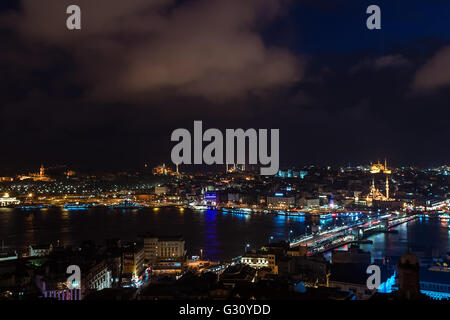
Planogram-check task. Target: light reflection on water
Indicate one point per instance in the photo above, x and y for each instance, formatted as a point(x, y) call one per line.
point(219, 235)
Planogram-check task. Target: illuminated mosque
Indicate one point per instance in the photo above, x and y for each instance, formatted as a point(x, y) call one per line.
point(162, 170)
point(374, 193)
point(235, 168)
point(41, 176)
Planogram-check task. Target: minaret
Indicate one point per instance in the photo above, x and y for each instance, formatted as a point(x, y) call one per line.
point(227, 167)
point(372, 188)
point(387, 178)
point(42, 170)
point(177, 168)
point(387, 187)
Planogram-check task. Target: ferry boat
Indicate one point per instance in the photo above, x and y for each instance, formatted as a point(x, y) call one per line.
point(33, 207)
point(445, 216)
point(237, 210)
point(198, 207)
point(8, 202)
point(126, 204)
point(290, 213)
point(326, 216)
point(76, 206)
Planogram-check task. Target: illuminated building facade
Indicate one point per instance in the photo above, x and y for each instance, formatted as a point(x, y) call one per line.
point(235, 168)
point(98, 278)
point(162, 170)
point(374, 193)
point(280, 200)
point(291, 174)
point(260, 260)
point(165, 255)
point(41, 176)
point(161, 248)
point(133, 264)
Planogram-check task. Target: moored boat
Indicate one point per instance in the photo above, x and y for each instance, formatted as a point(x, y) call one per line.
point(76, 206)
point(126, 205)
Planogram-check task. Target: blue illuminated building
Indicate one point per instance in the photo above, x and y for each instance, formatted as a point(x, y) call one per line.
point(291, 174)
point(210, 196)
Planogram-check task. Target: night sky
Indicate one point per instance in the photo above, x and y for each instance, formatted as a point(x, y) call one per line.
point(108, 97)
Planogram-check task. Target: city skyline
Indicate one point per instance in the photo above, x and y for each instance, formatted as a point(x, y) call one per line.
point(300, 231)
point(210, 158)
point(36, 171)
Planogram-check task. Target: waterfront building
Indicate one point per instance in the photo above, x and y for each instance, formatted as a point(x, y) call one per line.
point(280, 200)
point(309, 203)
point(210, 199)
point(434, 204)
point(144, 197)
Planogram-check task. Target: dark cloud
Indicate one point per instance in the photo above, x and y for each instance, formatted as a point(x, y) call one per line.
point(435, 73)
point(207, 48)
point(378, 63)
